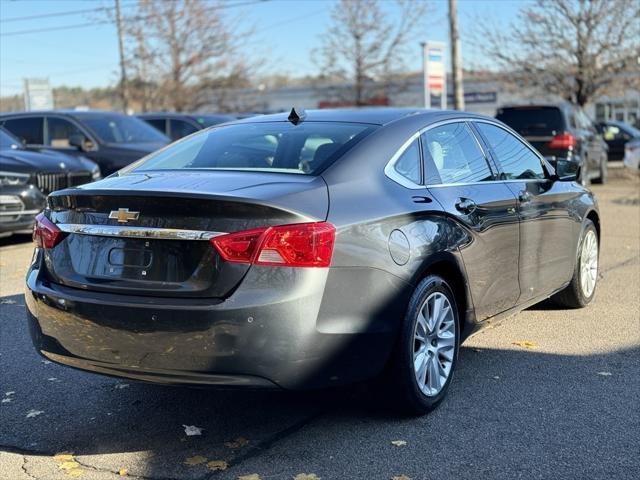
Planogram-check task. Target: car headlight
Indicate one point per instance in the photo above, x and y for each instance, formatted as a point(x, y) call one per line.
point(12, 178)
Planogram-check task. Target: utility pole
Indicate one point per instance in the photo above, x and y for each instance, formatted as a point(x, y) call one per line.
point(456, 62)
point(124, 94)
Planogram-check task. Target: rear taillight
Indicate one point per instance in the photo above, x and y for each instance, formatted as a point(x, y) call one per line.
point(297, 245)
point(563, 140)
point(45, 233)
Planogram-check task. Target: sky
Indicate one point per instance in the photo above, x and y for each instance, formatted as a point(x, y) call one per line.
point(286, 31)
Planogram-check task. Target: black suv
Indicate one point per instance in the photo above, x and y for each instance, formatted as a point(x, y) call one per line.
point(110, 139)
point(561, 131)
point(178, 125)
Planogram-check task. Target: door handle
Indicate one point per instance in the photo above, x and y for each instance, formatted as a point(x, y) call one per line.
point(466, 205)
point(524, 196)
point(420, 199)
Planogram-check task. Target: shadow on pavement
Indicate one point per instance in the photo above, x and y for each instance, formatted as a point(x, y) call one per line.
point(506, 409)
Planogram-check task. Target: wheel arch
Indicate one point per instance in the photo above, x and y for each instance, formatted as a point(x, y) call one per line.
point(451, 268)
point(595, 218)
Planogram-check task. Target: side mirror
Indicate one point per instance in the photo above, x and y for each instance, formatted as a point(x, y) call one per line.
point(80, 142)
point(566, 170)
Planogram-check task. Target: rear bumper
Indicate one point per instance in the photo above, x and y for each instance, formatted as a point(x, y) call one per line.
point(280, 328)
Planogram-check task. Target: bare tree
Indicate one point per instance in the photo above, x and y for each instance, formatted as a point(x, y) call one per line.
point(180, 51)
point(363, 46)
point(572, 48)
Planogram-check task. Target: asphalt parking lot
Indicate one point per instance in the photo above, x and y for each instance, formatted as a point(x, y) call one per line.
point(548, 393)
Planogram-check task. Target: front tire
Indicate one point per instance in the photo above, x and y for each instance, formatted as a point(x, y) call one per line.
point(427, 350)
point(582, 288)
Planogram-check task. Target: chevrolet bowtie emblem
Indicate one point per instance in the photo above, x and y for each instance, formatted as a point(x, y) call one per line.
point(123, 215)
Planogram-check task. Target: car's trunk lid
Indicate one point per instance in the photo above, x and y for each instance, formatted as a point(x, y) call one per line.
point(148, 234)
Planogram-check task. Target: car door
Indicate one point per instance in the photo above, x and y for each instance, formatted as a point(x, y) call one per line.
point(593, 143)
point(548, 233)
point(461, 178)
point(58, 131)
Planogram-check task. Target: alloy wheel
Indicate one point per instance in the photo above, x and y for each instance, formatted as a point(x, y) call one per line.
point(589, 263)
point(434, 344)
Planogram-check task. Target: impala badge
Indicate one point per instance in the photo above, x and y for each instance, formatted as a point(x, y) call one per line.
point(123, 215)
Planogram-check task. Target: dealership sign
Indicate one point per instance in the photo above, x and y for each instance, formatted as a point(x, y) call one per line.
point(435, 80)
point(37, 94)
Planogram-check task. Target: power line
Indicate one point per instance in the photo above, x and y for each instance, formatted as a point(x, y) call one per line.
point(59, 14)
point(103, 22)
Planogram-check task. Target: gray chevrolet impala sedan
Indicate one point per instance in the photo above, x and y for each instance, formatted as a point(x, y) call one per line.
point(309, 250)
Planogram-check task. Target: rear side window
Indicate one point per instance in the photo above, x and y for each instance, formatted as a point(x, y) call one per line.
point(455, 154)
point(533, 120)
point(408, 164)
point(517, 160)
point(29, 130)
point(306, 148)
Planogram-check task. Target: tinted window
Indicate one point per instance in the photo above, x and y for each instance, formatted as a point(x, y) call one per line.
point(59, 130)
point(157, 123)
point(517, 160)
point(276, 146)
point(408, 165)
point(533, 120)
point(29, 130)
point(111, 128)
point(180, 128)
point(455, 154)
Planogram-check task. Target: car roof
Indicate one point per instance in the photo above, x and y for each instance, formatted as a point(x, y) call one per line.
point(182, 114)
point(63, 112)
point(371, 115)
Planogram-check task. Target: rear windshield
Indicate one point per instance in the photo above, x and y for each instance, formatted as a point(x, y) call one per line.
point(306, 148)
point(533, 120)
point(122, 129)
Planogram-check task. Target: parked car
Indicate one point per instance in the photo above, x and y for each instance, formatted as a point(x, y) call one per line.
point(26, 177)
point(632, 154)
point(111, 139)
point(178, 125)
point(561, 131)
point(616, 135)
point(310, 250)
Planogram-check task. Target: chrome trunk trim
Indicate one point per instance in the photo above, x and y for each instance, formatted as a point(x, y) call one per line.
point(137, 232)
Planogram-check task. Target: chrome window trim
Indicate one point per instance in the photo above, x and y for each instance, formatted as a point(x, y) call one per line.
point(138, 232)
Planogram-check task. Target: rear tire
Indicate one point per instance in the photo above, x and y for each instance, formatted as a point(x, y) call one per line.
point(582, 287)
point(427, 351)
point(602, 179)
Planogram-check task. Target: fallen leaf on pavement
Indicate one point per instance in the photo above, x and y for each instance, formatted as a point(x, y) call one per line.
point(306, 476)
point(34, 413)
point(400, 477)
point(120, 386)
point(123, 472)
point(237, 443)
point(63, 457)
point(399, 443)
point(195, 460)
point(76, 472)
point(7, 302)
point(605, 374)
point(251, 476)
point(526, 344)
point(7, 400)
point(217, 465)
point(191, 430)
point(7, 394)
point(69, 465)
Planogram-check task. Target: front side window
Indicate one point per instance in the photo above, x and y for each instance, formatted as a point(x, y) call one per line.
point(59, 130)
point(306, 148)
point(517, 160)
point(180, 128)
point(28, 130)
point(454, 152)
